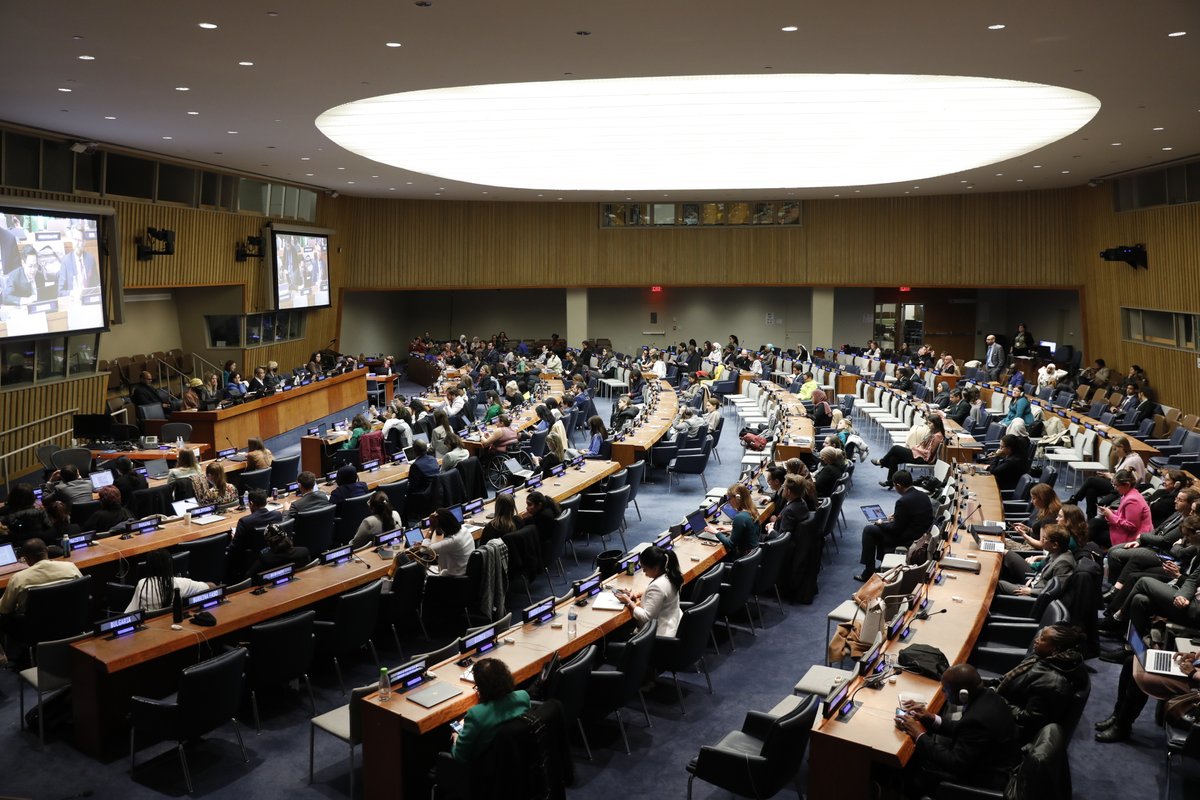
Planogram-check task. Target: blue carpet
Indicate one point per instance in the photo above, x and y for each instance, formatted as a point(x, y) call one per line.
point(756, 676)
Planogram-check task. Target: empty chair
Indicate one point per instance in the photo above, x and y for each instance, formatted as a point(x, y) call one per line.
point(208, 697)
point(284, 471)
point(350, 514)
point(78, 457)
point(206, 557)
point(51, 677)
point(556, 544)
point(690, 462)
point(154, 500)
point(775, 553)
point(401, 607)
point(353, 622)
point(256, 479)
point(344, 723)
point(685, 650)
point(82, 512)
point(637, 472)
point(279, 651)
point(736, 586)
point(45, 455)
point(570, 689)
point(173, 431)
point(314, 529)
point(763, 756)
point(607, 519)
point(707, 585)
point(609, 690)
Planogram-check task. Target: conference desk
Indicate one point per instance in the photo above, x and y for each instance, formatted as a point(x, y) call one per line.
point(636, 442)
point(385, 382)
point(278, 413)
point(106, 673)
point(394, 756)
point(843, 754)
point(169, 452)
point(796, 438)
point(959, 445)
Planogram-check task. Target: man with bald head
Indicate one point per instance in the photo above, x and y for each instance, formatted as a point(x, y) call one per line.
point(993, 358)
point(982, 742)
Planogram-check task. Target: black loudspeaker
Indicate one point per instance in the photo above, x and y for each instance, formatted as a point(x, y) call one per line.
point(1133, 255)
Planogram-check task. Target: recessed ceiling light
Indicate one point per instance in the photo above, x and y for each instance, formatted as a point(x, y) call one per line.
point(208, 26)
point(374, 176)
point(308, 174)
point(231, 131)
point(182, 89)
point(999, 174)
point(1168, 148)
point(837, 195)
point(962, 181)
point(64, 89)
point(245, 63)
point(485, 192)
point(391, 188)
point(1020, 180)
point(437, 194)
point(1066, 172)
point(1037, 166)
point(193, 113)
point(996, 27)
point(948, 124)
point(906, 192)
point(1156, 129)
point(341, 167)
point(789, 29)
point(1177, 34)
point(87, 58)
point(1116, 144)
point(168, 137)
point(392, 44)
point(110, 117)
point(305, 158)
point(350, 182)
point(408, 183)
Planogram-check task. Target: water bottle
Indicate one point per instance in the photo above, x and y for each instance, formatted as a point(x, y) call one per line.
point(385, 686)
point(65, 544)
point(176, 608)
point(178, 445)
point(245, 499)
point(572, 624)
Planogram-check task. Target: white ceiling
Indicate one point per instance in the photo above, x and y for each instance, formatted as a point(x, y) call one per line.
point(311, 55)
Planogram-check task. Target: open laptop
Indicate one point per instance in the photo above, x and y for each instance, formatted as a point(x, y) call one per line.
point(1156, 662)
point(988, 546)
point(156, 469)
point(695, 524)
point(7, 555)
point(874, 513)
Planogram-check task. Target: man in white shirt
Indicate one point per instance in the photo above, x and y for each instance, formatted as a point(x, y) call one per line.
point(553, 362)
point(659, 367)
point(41, 570)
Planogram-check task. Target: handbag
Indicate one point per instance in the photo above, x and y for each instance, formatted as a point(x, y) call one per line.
point(547, 680)
point(873, 588)
point(1183, 710)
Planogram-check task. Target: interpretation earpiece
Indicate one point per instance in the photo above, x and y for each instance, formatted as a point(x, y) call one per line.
point(963, 697)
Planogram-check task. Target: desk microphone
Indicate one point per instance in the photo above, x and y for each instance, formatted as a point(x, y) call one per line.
point(368, 566)
point(927, 614)
point(230, 443)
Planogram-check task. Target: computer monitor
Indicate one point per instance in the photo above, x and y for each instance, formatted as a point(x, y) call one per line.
point(457, 511)
point(93, 427)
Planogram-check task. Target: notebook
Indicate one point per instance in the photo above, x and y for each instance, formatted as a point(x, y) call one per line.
point(438, 692)
point(1156, 662)
point(607, 601)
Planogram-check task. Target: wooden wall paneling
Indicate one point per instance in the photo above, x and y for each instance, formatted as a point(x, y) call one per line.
point(21, 406)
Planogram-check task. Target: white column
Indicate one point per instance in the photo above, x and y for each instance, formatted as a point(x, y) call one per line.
point(577, 316)
point(822, 318)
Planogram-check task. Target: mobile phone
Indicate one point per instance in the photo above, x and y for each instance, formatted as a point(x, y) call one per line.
point(456, 726)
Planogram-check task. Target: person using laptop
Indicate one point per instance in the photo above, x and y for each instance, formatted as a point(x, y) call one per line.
point(1058, 563)
point(1135, 686)
point(310, 497)
point(911, 519)
point(449, 542)
point(41, 570)
point(111, 512)
point(66, 484)
point(126, 480)
point(158, 588)
point(499, 702)
point(214, 486)
point(248, 535)
point(742, 533)
point(23, 517)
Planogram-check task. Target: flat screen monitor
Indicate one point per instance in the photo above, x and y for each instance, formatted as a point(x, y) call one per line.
point(54, 264)
point(93, 427)
point(301, 269)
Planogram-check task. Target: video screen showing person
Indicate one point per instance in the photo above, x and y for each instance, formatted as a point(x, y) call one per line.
point(301, 270)
point(51, 274)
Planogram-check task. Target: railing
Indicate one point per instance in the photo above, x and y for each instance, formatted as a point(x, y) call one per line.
point(166, 372)
point(199, 373)
point(7, 454)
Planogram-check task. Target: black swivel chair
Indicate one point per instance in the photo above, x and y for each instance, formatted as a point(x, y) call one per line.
point(54, 611)
point(606, 520)
point(81, 512)
point(206, 557)
point(637, 473)
point(570, 689)
point(284, 471)
point(761, 758)
point(353, 623)
point(350, 514)
point(685, 650)
point(173, 431)
point(690, 462)
point(208, 697)
point(314, 529)
point(609, 690)
point(775, 553)
point(256, 479)
point(397, 495)
point(402, 605)
point(78, 457)
point(736, 588)
point(1043, 774)
point(554, 548)
point(280, 650)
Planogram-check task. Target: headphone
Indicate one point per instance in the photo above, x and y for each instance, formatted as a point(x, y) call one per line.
point(963, 697)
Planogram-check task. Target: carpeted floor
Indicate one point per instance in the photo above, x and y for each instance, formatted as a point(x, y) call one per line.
point(756, 676)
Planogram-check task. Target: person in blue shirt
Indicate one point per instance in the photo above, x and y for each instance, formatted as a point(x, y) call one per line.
point(234, 388)
point(743, 534)
point(1020, 408)
point(598, 433)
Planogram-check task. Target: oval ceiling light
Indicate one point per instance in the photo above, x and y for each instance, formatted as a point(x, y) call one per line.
point(807, 130)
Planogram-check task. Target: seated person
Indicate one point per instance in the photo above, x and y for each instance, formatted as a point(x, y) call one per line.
point(498, 703)
point(235, 388)
point(624, 413)
point(1010, 463)
point(958, 407)
point(978, 745)
point(503, 521)
point(110, 514)
point(493, 406)
point(449, 542)
point(381, 520)
point(158, 588)
point(257, 454)
point(1135, 686)
point(1044, 508)
point(456, 452)
point(596, 436)
point(126, 480)
point(186, 466)
point(279, 550)
point(67, 485)
point(1100, 486)
point(41, 570)
point(1129, 520)
point(25, 519)
point(248, 537)
point(910, 520)
point(309, 497)
point(1057, 563)
point(214, 487)
point(833, 466)
point(541, 511)
point(924, 451)
point(146, 394)
point(348, 485)
point(190, 400)
point(358, 426)
point(422, 472)
point(1039, 690)
point(807, 387)
point(258, 383)
point(660, 601)
point(210, 392)
point(742, 534)
point(503, 437)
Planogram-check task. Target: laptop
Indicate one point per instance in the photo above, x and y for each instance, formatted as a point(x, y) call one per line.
point(101, 479)
point(989, 546)
point(695, 524)
point(204, 515)
point(1156, 662)
point(157, 468)
point(436, 693)
point(181, 506)
point(7, 555)
point(874, 513)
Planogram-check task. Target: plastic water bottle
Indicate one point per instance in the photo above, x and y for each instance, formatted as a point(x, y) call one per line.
point(245, 499)
point(385, 686)
point(65, 544)
point(572, 624)
point(178, 444)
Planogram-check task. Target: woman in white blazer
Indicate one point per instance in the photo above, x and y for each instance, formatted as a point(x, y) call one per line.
point(660, 601)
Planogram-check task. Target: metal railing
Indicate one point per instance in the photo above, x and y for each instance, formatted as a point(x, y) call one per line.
point(8, 454)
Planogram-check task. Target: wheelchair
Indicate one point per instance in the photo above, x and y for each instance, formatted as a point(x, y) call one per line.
point(508, 468)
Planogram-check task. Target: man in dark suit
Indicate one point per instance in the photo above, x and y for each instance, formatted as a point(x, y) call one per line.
point(958, 408)
point(127, 481)
point(424, 468)
point(10, 254)
point(909, 521)
point(78, 271)
point(310, 497)
point(980, 744)
point(993, 358)
point(248, 540)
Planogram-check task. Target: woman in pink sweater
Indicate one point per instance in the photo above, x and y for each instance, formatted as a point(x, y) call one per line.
point(1132, 517)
